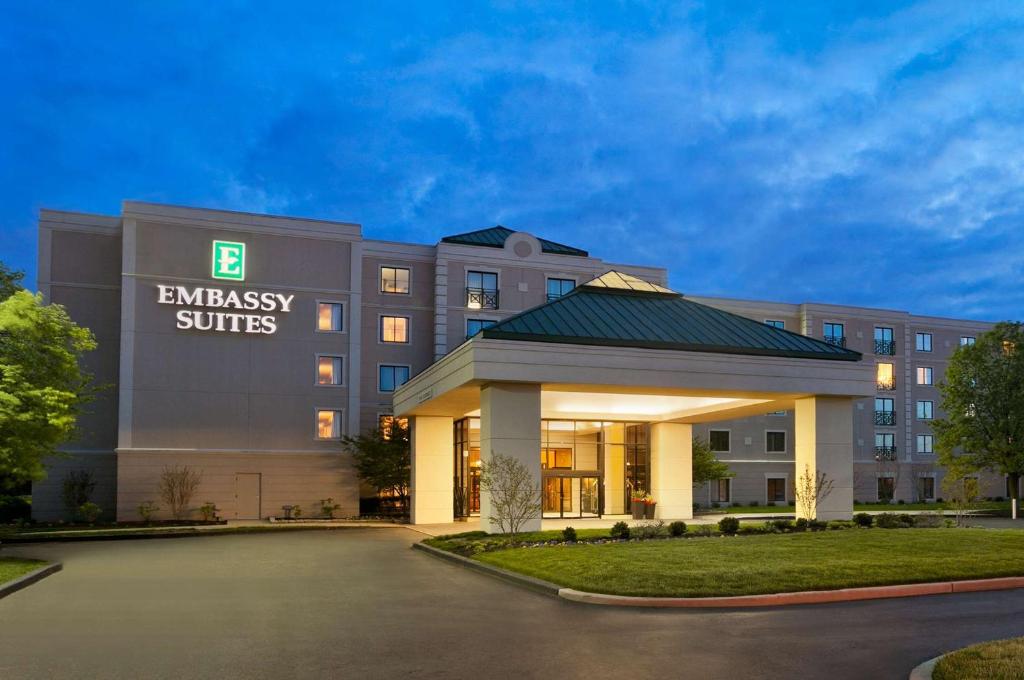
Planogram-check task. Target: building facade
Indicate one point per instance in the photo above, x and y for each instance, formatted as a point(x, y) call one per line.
point(245, 346)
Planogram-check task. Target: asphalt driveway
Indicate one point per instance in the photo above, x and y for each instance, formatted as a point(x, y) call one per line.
point(358, 603)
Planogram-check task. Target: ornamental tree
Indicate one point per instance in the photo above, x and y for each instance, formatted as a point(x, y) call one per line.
point(983, 403)
point(10, 281)
point(383, 460)
point(706, 467)
point(43, 387)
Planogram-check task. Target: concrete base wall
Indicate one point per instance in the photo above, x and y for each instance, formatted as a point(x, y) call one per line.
point(286, 479)
point(47, 504)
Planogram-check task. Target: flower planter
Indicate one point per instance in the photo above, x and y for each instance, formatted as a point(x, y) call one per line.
point(649, 510)
point(638, 509)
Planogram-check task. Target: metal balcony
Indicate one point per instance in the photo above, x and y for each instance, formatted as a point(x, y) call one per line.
point(887, 385)
point(885, 347)
point(885, 418)
point(885, 453)
point(837, 340)
point(481, 298)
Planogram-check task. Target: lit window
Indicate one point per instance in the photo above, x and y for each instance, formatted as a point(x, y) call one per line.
point(389, 378)
point(721, 490)
point(328, 370)
point(775, 323)
point(776, 490)
point(328, 423)
point(329, 316)
point(474, 326)
point(394, 329)
point(924, 410)
point(719, 440)
point(481, 290)
point(775, 442)
point(559, 287)
point(386, 424)
point(966, 340)
point(924, 443)
point(885, 375)
point(924, 342)
point(394, 280)
point(924, 375)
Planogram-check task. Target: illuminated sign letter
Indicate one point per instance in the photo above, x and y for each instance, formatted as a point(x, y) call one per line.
point(229, 260)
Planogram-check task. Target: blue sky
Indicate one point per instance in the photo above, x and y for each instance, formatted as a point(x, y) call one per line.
point(869, 155)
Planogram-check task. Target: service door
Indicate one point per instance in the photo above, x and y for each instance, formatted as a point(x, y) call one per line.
point(247, 495)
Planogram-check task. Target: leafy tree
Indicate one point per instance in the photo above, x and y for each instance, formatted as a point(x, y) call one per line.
point(42, 385)
point(383, 460)
point(515, 494)
point(706, 467)
point(10, 281)
point(983, 404)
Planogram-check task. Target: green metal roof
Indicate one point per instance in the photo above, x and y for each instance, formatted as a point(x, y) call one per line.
point(494, 237)
point(614, 310)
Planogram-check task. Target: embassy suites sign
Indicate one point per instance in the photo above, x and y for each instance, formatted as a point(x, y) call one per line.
point(230, 310)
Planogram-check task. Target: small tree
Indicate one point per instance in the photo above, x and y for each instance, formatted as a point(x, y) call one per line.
point(706, 467)
point(76, 489)
point(384, 461)
point(983, 403)
point(515, 494)
point(178, 484)
point(962, 495)
point(810, 491)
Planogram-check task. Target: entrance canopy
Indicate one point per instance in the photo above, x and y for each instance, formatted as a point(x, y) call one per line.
point(619, 348)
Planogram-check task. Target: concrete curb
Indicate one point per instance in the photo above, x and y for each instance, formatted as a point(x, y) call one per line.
point(534, 584)
point(767, 600)
point(924, 671)
point(29, 578)
point(186, 532)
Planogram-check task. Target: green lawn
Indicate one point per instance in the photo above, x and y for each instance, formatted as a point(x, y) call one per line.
point(772, 563)
point(13, 567)
point(999, 660)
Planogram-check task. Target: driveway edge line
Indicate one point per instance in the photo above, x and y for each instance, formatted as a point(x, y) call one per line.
point(734, 601)
point(534, 584)
point(924, 671)
point(29, 578)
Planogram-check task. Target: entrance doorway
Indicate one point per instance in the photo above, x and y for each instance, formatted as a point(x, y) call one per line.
point(571, 496)
point(247, 495)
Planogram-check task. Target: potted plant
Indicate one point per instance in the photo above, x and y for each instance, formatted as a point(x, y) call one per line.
point(637, 497)
point(649, 504)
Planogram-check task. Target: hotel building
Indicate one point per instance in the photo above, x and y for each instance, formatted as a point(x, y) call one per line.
point(245, 346)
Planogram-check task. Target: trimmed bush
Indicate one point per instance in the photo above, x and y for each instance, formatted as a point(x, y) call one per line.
point(800, 524)
point(900, 502)
point(569, 535)
point(817, 525)
point(929, 520)
point(782, 526)
point(863, 519)
point(677, 528)
point(14, 509)
point(620, 530)
point(729, 525)
point(840, 524)
point(890, 520)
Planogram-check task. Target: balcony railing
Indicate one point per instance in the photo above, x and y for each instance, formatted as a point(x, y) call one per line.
point(885, 417)
point(837, 340)
point(887, 385)
point(481, 298)
point(885, 453)
point(554, 296)
point(886, 347)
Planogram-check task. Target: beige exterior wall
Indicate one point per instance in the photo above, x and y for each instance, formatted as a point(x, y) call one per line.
point(432, 486)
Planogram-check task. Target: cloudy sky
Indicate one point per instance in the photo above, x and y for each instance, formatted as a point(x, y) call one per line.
point(774, 150)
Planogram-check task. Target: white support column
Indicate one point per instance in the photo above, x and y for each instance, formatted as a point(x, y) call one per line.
point(824, 444)
point(433, 470)
point(672, 470)
point(510, 426)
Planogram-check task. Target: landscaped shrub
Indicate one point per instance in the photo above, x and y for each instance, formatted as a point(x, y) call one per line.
point(90, 512)
point(715, 504)
point(939, 500)
point(906, 520)
point(178, 483)
point(753, 504)
point(749, 529)
point(840, 524)
point(147, 510)
point(929, 520)
point(737, 504)
point(781, 525)
point(770, 504)
point(817, 525)
point(208, 511)
point(900, 502)
point(863, 519)
point(677, 528)
point(14, 509)
point(328, 507)
point(800, 524)
point(728, 525)
point(647, 530)
point(620, 530)
point(569, 535)
point(76, 489)
point(889, 520)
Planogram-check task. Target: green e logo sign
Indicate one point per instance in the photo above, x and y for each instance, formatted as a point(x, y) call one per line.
point(229, 260)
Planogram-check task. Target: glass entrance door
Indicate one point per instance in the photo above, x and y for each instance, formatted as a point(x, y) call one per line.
point(571, 497)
